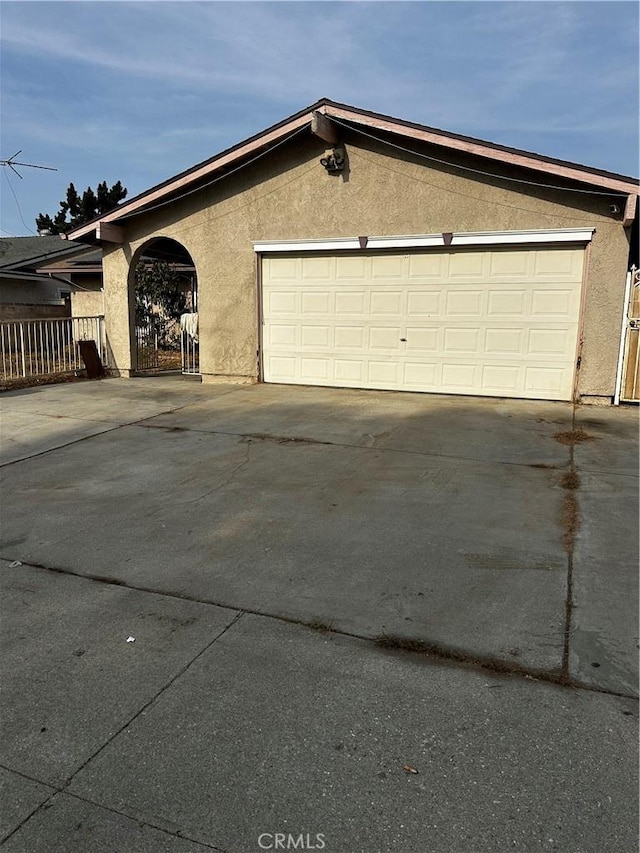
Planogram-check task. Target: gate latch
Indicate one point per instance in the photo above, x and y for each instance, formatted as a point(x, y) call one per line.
point(634, 324)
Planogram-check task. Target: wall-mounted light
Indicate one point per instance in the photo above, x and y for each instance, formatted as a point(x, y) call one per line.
point(333, 160)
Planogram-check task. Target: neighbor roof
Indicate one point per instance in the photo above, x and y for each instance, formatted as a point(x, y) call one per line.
point(355, 118)
point(30, 252)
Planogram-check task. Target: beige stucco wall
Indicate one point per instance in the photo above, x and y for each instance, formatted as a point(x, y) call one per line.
point(87, 303)
point(288, 195)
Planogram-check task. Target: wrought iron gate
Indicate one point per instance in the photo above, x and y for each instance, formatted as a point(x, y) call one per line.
point(628, 386)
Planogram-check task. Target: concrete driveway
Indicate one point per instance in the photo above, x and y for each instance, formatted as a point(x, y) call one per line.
point(498, 534)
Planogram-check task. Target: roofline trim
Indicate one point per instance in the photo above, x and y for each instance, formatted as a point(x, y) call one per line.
point(572, 171)
point(488, 150)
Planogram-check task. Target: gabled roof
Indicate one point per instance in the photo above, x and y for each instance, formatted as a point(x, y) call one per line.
point(380, 127)
point(27, 253)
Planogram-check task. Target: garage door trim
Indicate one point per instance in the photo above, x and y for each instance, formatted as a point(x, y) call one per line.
point(425, 241)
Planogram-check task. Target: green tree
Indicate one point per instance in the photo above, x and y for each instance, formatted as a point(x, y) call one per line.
point(77, 209)
point(159, 296)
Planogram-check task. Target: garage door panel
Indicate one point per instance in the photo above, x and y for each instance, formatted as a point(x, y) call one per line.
point(349, 267)
point(461, 340)
point(317, 267)
point(467, 265)
point(278, 269)
point(350, 302)
point(316, 368)
point(507, 303)
point(316, 302)
point(279, 335)
point(283, 302)
point(500, 323)
point(463, 302)
point(350, 337)
point(552, 302)
point(541, 379)
point(316, 336)
point(351, 372)
point(419, 338)
point(384, 338)
point(504, 341)
point(513, 266)
point(384, 373)
point(426, 301)
point(388, 303)
point(388, 267)
point(427, 267)
point(558, 265)
point(419, 375)
point(283, 369)
point(498, 377)
point(550, 342)
point(459, 376)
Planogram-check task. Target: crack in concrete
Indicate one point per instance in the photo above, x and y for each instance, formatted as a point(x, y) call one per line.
point(570, 519)
point(58, 790)
point(301, 440)
point(220, 486)
point(141, 710)
point(429, 649)
point(139, 422)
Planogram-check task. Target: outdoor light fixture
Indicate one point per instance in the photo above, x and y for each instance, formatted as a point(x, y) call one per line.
point(333, 160)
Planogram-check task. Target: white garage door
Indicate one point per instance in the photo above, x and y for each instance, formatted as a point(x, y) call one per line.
point(502, 322)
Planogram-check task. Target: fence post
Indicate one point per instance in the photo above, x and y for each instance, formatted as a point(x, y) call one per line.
point(24, 361)
point(101, 338)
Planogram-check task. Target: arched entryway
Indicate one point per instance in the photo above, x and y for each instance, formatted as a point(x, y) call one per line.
point(164, 299)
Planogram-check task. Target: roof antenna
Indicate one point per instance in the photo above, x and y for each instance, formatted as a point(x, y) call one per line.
point(11, 162)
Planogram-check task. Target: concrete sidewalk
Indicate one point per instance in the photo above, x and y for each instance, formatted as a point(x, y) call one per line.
point(256, 541)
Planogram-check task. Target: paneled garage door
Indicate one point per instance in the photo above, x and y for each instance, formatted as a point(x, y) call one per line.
point(502, 322)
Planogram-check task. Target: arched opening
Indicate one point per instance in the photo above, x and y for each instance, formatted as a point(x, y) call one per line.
point(164, 289)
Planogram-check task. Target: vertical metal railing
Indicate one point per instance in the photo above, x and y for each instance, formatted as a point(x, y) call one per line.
point(189, 344)
point(147, 349)
point(628, 376)
point(40, 347)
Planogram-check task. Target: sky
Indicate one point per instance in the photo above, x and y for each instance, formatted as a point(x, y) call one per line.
point(140, 91)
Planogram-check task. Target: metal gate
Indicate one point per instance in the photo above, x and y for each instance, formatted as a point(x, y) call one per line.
point(158, 345)
point(628, 385)
point(147, 349)
point(189, 343)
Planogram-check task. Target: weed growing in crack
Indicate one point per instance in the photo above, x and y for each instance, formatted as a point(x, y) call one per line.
point(321, 626)
point(573, 436)
point(570, 480)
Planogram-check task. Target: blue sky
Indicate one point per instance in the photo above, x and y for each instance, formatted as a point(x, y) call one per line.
point(140, 91)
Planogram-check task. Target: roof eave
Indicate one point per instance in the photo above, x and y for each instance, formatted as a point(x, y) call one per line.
point(617, 184)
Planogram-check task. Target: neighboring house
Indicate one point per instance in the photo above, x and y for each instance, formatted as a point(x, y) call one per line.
point(30, 287)
point(345, 248)
point(84, 272)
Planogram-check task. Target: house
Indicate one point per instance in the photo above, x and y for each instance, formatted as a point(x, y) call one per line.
point(342, 247)
point(37, 277)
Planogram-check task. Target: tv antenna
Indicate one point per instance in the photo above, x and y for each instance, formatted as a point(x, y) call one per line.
point(11, 162)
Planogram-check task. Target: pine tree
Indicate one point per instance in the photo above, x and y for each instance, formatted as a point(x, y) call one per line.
point(75, 210)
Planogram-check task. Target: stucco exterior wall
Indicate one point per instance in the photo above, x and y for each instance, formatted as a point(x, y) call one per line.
point(288, 195)
point(87, 303)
